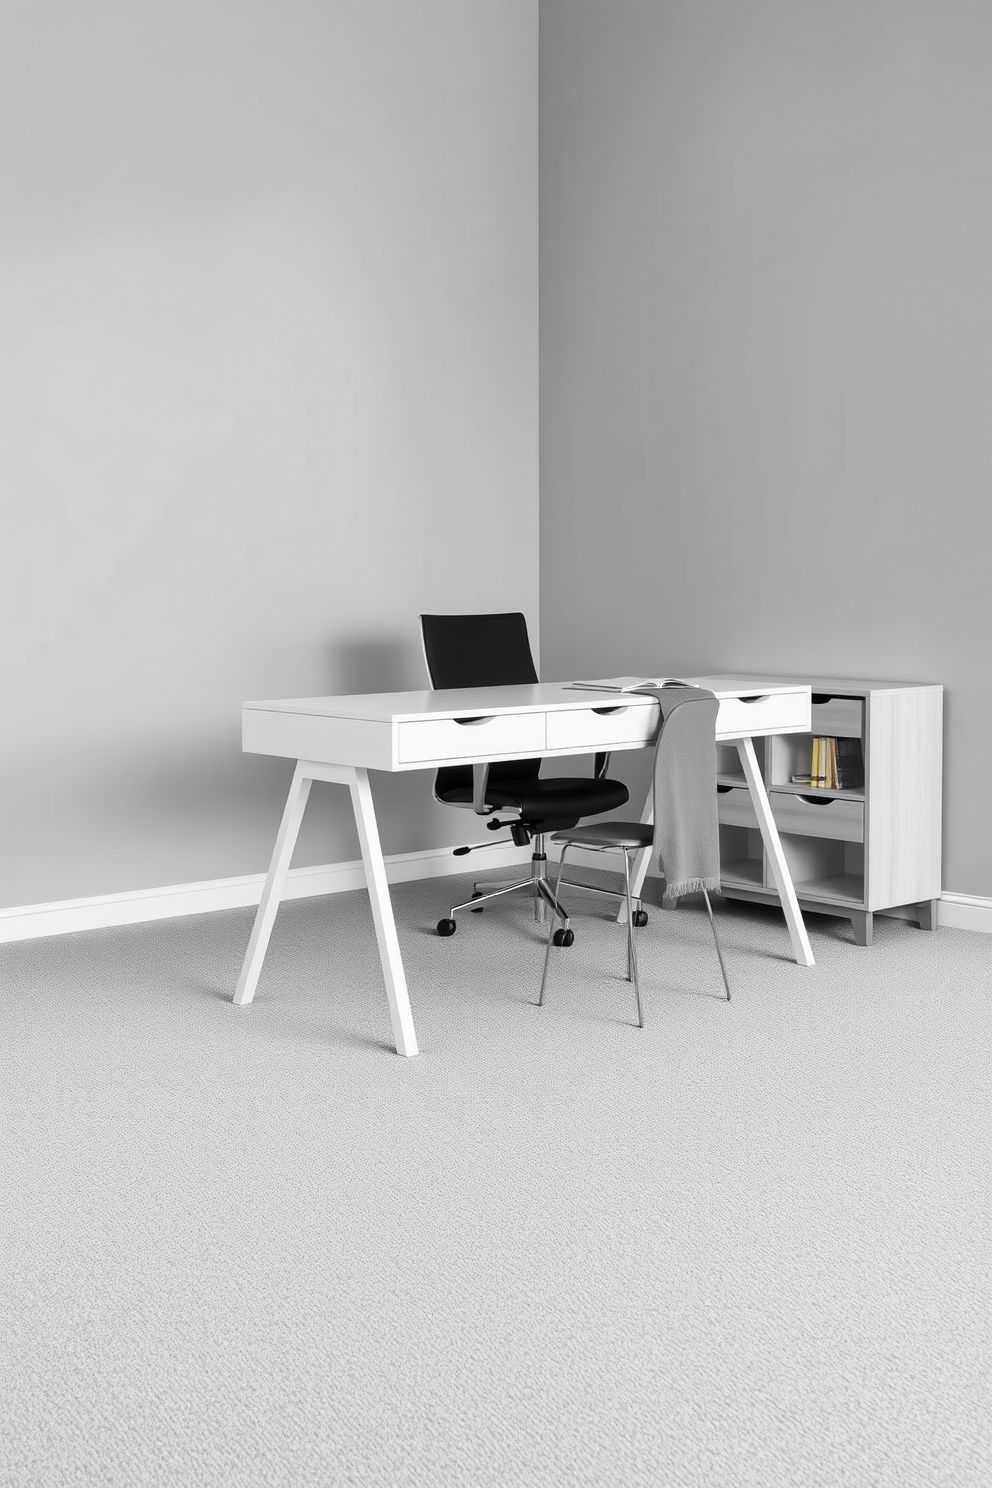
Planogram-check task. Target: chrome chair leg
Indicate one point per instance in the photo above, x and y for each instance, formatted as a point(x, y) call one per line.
point(499, 883)
point(551, 899)
point(594, 889)
point(524, 883)
point(539, 860)
point(631, 948)
point(716, 942)
point(551, 926)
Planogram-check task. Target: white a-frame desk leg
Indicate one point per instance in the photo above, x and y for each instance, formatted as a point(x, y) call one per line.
point(282, 853)
point(773, 846)
point(776, 853)
point(357, 781)
point(382, 911)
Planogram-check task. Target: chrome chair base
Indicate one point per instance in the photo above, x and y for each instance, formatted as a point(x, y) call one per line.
point(537, 886)
point(506, 885)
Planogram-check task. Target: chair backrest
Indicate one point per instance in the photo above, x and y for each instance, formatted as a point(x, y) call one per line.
point(478, 651)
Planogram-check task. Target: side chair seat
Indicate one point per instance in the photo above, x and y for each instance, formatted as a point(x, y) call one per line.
point(615, 834)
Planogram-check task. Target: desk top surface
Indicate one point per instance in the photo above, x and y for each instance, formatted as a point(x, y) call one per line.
point(397, 707)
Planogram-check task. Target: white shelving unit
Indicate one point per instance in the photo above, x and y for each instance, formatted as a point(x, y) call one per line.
point(851, 852)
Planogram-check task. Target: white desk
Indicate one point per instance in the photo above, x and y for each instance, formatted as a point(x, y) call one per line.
point(339, 739)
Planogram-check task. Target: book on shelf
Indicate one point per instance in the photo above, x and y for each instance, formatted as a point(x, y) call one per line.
point(850, 765)
point(630, 684)
point(817, 774)
point(835, 764)
point(831, 771)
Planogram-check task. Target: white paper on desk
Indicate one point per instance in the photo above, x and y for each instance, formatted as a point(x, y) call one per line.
point(631, 684)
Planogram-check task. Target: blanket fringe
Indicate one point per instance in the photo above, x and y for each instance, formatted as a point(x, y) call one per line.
point(691, 886)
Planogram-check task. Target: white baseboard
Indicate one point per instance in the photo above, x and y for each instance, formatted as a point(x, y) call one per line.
point(965, 912)
point(954, 911)
point(30, 921)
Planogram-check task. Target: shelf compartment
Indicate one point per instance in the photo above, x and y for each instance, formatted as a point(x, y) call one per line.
point(792, 754)
point(729, 770)
point(843, 888)
point(745, 873)
point(742, 857)
point(823, 868)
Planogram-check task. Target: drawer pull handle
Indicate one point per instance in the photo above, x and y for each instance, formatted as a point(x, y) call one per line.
point(759, 697)
point(608, 712)
point(468, 722)
point(818, 800)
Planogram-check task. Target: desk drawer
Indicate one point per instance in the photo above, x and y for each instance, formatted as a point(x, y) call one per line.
point(602, 726)
point(822, 816)
point(759, 713)
point(471, 738)
point(734, 807)
point(838, 717)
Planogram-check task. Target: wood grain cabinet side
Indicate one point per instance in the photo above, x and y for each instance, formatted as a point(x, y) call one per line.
point(852, 852)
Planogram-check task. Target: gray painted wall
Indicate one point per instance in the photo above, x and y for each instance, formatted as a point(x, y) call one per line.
point(268, 289)
point(766, 351)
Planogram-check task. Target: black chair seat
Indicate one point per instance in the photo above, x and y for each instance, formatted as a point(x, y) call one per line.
point(548, 804)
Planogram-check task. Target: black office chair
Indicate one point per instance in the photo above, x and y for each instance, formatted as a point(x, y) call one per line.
point(494, 651)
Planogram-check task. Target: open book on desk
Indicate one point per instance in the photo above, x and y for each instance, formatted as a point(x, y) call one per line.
point(631, 684)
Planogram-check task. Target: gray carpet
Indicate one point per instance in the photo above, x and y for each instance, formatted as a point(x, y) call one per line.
point(746, 1246)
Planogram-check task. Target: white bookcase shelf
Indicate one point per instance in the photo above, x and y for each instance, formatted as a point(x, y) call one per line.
point(851, 852)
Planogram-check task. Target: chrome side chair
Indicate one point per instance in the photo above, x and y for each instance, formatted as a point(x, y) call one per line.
point(694, 788)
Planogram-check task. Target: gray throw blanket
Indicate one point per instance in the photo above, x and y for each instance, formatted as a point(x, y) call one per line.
point(686, 832)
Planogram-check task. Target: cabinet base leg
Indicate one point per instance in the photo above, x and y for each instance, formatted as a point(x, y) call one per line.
point(862, 922)
point(927, 912)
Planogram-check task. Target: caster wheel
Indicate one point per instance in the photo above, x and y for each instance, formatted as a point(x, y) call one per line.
point(446, 927)
point(563, 937)
point(640, 918)
point(479, 908)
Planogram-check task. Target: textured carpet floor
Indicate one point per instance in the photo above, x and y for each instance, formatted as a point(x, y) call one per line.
point(747, 1247)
